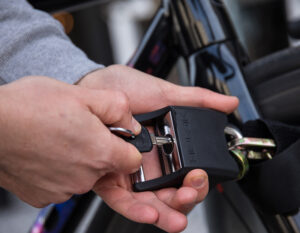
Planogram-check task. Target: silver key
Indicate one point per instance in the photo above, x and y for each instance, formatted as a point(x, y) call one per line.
point(160, 141)
point(156, 140)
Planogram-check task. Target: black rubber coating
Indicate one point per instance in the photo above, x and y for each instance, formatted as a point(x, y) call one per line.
point(142, 141)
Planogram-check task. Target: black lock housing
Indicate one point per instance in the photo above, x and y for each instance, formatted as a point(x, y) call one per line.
point(199, 142)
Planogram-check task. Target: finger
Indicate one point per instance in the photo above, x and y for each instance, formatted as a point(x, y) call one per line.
point(169, 219)
point(142, 207)
point(122, 201)
point(112, 108)
point(198, 180)
point(193, 191)
point(183, 199)
point(145, 208)
point(123, 156)
point(200, 97)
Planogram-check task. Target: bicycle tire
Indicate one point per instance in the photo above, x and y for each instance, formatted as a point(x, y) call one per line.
point(274, 82)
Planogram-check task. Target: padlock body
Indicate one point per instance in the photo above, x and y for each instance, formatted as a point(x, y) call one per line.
point(199, 143)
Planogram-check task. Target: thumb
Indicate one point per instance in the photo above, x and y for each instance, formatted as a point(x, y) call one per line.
point(198, 180)
point(112, 108)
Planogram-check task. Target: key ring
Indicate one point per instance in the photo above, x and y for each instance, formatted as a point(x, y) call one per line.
point(122, 132)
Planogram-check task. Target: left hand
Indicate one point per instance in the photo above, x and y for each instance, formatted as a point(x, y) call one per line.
point(147, 93)
point(164, 208)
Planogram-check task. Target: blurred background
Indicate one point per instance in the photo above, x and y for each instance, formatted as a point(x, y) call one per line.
point(110, 30)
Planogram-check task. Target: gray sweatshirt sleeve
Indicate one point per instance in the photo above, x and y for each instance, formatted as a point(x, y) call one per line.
point(33, 43)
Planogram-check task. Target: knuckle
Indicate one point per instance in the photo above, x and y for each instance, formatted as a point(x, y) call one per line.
point(41, 204)
point(84, 187)
point(37, 201)
point(121, 106)
point(60, 198)
point(44, 201)
point(122, 101)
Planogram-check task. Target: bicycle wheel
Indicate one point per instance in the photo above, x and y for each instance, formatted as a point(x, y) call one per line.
point(274, 82)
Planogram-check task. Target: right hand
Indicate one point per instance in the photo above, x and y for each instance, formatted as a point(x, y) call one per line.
point(54, 141)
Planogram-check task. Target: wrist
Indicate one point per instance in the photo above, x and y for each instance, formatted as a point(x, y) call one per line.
point(87, 78)
point(4, 176)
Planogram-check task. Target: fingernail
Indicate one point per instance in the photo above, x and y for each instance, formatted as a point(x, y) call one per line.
point(137, 161)
point(134, 170)
point(199, 181)
point(136, 126)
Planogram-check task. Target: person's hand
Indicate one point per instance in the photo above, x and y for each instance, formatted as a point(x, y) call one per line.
point(55, 141)
point(164, 208)
point(147, 93)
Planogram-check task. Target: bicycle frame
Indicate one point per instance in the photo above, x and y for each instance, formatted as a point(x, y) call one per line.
point(200, 32)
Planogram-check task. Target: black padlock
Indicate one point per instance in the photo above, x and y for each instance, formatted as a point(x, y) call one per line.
point(198, 141)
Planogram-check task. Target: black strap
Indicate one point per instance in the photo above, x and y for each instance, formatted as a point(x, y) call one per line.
point(275, 184)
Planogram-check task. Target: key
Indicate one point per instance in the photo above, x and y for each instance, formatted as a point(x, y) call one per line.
point(160, 141)
point(144, 141)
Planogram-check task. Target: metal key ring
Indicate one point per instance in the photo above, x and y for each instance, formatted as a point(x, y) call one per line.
point(122, 132)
